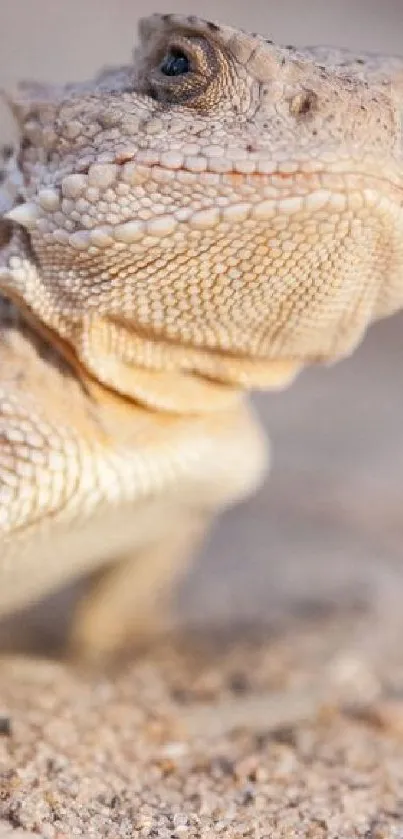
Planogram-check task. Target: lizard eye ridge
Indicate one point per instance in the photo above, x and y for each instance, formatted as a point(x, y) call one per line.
point(175, 63)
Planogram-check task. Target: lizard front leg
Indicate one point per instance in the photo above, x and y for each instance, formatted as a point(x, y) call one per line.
point(127, 604)
point(90, 484)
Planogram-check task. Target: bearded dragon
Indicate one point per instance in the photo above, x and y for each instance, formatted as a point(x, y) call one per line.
point(203, 222)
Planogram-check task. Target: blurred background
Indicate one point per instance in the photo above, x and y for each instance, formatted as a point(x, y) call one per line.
point(327, 527)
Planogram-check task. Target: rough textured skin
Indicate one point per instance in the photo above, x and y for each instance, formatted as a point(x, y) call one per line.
point(169, 242)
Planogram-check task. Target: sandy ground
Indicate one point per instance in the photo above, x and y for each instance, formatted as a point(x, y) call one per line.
point(281, 714)
point(294, 734)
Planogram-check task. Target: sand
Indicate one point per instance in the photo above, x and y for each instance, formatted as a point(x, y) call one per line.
point(291, 734)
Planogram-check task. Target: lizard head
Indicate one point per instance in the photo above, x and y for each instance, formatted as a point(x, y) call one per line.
point(213, 216)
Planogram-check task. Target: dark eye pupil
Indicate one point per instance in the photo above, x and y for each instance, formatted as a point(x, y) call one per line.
point(175, 63)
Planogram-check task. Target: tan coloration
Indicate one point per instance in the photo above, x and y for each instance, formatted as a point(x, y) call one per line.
point(175, 240)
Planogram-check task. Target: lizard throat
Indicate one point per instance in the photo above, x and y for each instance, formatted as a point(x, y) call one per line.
point(172, 377)
point(158, 375)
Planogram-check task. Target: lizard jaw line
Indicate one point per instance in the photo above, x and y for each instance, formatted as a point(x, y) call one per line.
point(200, 165)
point(37, 214)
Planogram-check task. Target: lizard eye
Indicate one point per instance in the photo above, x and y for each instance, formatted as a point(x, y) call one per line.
point(175, 63)
point(183, 70)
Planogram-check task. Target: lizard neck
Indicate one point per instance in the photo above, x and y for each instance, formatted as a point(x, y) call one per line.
point(164, 376)
point(171, 376)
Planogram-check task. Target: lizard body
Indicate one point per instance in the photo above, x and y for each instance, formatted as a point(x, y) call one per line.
point(205, 221)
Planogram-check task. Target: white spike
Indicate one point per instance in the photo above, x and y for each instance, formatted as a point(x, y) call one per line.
point(25, 214)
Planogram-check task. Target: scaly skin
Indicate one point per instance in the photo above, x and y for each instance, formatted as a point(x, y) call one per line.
point(205, 221)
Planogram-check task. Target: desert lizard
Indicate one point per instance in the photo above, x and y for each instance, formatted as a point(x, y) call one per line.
point(176, 233)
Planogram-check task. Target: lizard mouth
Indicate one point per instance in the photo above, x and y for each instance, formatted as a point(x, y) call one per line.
point(266, 172)
point(139, 193)
point(249, 165)
point(198, 201)
point(165, 191)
